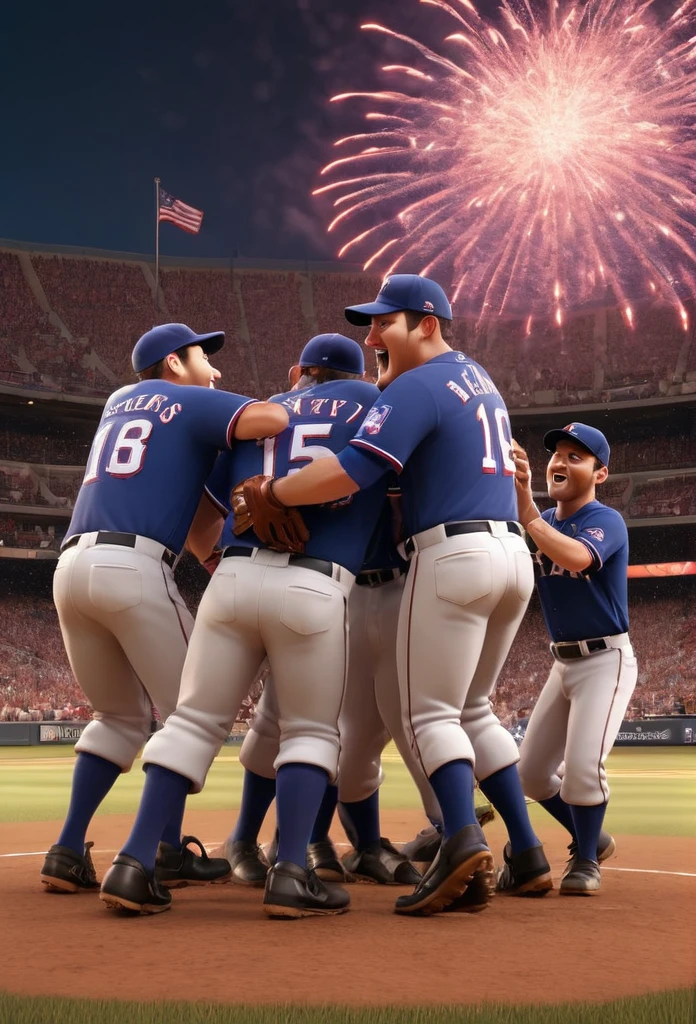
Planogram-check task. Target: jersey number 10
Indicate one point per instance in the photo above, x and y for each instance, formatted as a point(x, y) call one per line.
point(489, 463)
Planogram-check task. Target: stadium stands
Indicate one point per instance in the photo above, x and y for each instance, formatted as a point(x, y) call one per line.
point(104, 304)
point(34, 671)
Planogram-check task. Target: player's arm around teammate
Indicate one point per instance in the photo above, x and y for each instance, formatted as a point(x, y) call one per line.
point(291, 608)
point(581, 561)
point(442, 424)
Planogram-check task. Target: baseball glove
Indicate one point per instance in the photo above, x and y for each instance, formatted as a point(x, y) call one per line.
point(279, 526)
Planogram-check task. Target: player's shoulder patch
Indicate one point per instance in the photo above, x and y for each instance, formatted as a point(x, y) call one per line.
point(376, 418)
point(596, 532)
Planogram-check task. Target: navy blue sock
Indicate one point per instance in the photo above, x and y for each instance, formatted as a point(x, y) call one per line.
point(325, 815)
point(93, 777)
point(364, 817)
point(174, 827)
point(560, 810)
point(588, 824)
point(299, 792)
point(454, 788)
point(504, 790)
point(164, 795)
point(258, 793)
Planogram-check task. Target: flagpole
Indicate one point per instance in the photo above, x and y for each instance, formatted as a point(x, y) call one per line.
point(157, 222)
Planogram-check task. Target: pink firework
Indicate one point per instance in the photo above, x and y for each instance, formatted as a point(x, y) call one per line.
point(537, 161)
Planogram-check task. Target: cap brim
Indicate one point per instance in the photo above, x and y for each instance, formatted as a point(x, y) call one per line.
point(361, 316)
point(209, 342)
point(554, 436)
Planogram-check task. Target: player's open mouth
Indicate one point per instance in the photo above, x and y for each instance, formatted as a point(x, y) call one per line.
point(382, 357)
point(558, 478)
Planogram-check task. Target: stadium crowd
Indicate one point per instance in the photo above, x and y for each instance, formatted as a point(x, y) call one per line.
point(104, 304)
point(35, 675)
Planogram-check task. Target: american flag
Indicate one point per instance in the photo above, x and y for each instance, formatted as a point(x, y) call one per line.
point(188, 218)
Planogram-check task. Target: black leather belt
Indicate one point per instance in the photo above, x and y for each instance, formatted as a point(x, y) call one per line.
point(306, 561)
point(375, 577)
point(567, 651)
point(469, 526)
point(124, 540)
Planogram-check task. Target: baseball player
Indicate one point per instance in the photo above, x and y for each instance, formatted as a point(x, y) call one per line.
point(124, 623)
point(370, 714)
point(581, 553)
point(289, 607)
point(441, 423)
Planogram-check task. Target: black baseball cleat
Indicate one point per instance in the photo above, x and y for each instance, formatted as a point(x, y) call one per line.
point(461, 858)
point(323, 859)
point(525, 874)
point(176, 869)
point(292, 891)
point(424, 848)
point(128, 886)
point(584, 879)
point(479, 893)
point(382, 864)
point(247, 861)
point(64, 870)
point(606, 848)
point(270, 850)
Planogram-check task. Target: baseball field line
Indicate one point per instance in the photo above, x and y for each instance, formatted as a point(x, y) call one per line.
point(211, 846)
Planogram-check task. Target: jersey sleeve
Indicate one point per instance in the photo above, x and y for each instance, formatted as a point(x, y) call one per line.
point(217, 413)
point(403, 415)
point(603, 533)
point(218, 485)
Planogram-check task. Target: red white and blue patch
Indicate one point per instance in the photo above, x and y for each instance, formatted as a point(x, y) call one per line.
point(375, 419)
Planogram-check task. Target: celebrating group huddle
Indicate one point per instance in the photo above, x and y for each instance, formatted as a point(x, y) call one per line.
point(377, 545)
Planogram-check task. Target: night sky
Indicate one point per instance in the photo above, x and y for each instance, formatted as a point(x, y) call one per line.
point(225, 101)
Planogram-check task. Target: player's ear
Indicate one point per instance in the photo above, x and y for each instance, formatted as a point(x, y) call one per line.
point(174, 364)
point(294, 375)
point(601, 475)
point(428, 325)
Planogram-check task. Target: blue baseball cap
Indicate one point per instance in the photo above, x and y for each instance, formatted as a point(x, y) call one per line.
point(589, 437)
point(403, 291)
point(165, 338)
point(334, 351)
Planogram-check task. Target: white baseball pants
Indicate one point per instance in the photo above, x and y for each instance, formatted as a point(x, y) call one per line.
point(371, 709)
point(125, 628)
point(255, 607)
point(463, 602)
point(576, 719)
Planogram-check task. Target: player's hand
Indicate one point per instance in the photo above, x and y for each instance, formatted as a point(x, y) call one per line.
point(280, 527)
point(242, 516)
point(523, 483)
point(523, 472)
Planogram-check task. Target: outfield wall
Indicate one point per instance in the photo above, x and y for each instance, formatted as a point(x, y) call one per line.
point(678, 731)
point(35, 734)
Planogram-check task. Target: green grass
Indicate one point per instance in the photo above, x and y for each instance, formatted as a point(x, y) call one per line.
point(665, 1008)
point(652, 804)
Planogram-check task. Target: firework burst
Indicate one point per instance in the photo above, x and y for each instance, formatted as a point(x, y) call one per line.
point(536, 161)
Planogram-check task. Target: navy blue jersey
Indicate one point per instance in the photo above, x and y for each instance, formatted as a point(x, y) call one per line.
point(593, 603)
point(444, 428)
point(150, 457)
point(323, 419)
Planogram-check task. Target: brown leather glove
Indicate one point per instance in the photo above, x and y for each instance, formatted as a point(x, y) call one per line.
point(279, 526)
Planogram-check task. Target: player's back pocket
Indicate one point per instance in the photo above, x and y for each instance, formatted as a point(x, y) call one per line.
point(114, 588)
